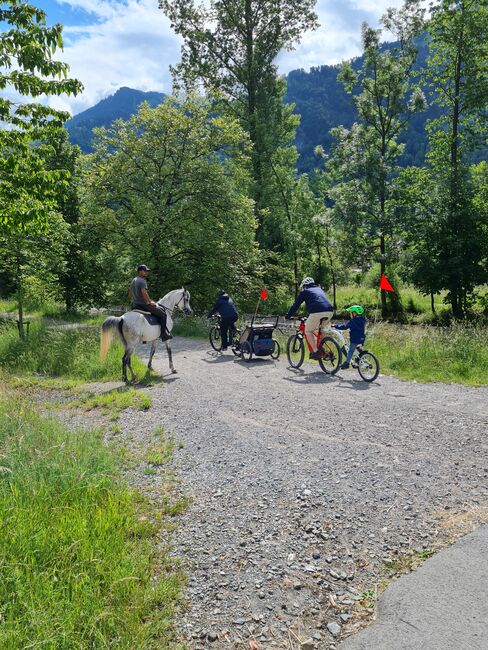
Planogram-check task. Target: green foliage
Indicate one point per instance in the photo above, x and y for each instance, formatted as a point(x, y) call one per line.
point(365, 156)
point(29, 188)
point(121, 105)
point(69, 353)
point(231, 46)
point(77, 565)
point(172, 182)
point(27, 47)
point(457, 71)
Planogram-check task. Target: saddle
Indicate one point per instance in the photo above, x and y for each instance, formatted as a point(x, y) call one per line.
point(151, 319)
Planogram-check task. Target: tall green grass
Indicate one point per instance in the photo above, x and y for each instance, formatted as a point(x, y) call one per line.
point(77, 567)
point(66, 353)
point(191, 326)
point(458, 353)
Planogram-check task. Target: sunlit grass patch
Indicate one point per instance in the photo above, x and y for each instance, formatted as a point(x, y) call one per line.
point(71, 354)
point(458, 353)
point(77, 562)
point(114, 401)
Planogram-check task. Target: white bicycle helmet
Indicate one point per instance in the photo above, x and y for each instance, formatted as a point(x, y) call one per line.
point(306, 282)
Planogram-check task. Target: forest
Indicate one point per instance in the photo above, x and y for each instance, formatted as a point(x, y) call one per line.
point(207, 188)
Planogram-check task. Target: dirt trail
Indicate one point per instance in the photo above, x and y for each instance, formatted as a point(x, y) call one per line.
point(303, 486)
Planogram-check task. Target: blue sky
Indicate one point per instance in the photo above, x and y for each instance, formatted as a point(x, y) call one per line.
point(114, 43)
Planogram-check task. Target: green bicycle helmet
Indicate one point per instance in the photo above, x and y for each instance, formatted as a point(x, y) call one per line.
point(357, 309)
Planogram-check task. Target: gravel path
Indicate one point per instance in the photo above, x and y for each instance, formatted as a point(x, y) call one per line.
point(303, 486)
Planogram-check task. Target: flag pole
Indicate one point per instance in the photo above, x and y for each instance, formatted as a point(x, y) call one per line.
point(257, 307)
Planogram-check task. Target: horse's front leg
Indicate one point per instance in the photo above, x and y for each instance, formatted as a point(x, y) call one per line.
point(170, 357)
point(151, 354)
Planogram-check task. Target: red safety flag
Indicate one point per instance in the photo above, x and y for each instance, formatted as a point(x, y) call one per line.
point(263, 294)
point(384, 284)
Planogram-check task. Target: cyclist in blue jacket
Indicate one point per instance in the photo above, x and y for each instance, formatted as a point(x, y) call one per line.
point(224, 305)
point(356, 326)
point(318, 306)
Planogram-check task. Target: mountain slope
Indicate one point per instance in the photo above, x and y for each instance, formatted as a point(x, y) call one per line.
point(122, 104)
point(323, 104)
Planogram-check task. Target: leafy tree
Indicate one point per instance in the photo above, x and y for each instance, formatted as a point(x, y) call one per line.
point(174, 179)
point(34, 259)
point(458, 73)
point(421, 208)
point(231, 46)
point(28, 188)
point(365, 156)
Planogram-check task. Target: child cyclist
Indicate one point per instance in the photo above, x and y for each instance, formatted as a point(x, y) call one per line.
point(356, 326)
point(319, 309)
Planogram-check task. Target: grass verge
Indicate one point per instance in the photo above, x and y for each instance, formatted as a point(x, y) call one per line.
point(72, 354)
point(77, 567)
point(113, 402)
point(451, 354)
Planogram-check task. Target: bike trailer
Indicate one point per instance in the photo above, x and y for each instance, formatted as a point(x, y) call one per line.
point(262, 341)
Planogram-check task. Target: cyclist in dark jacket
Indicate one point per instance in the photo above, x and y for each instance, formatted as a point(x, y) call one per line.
point(319, 308)
point(224, 305)
point(356, 326)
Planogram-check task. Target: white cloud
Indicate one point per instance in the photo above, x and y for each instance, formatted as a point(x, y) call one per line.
point(339, 36)
point(131, 44)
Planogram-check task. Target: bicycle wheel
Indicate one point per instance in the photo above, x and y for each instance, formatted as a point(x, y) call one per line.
point(215, 338)
point(246, 351)
point(295, 350)
point(368, 366)
point(276, 350)
point(330, 358)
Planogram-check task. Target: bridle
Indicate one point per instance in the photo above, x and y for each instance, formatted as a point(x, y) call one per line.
point(176, 305)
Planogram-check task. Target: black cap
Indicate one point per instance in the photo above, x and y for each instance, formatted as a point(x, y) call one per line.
point(142, 267)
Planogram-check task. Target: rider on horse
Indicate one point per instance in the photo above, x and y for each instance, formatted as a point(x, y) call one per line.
point(141, 300)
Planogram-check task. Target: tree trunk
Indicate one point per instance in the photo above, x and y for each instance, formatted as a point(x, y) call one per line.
point(432, 304)
point(332, 270)
point(295, 270)
point(320, 271)
point(384, 310)
point(251, 109)
point(456, 226)
point(20, 300)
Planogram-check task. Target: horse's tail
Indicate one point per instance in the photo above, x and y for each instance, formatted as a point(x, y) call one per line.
point(111, 326)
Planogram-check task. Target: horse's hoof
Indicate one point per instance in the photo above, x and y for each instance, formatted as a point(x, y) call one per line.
point(174, 371)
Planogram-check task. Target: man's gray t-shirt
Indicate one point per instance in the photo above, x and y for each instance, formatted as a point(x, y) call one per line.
point(137, 284)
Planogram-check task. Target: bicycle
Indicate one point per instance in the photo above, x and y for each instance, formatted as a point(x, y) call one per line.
point(330, 352)
point(365, 361)
point(215, 337)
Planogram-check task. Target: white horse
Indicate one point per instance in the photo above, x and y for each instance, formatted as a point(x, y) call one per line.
point(133, 327)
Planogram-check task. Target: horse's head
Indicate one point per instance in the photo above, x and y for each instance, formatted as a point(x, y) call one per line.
point(177, 298)
point(186, 309)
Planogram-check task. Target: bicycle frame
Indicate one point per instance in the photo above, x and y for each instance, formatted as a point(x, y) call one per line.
point(341, 339)
point(315, 333)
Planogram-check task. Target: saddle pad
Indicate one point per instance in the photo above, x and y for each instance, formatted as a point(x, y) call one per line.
point(151, 319)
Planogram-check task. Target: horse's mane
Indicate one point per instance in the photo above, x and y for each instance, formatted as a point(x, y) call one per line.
point(167, 295)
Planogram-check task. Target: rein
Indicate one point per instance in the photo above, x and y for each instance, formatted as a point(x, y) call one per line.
point(175, 306)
